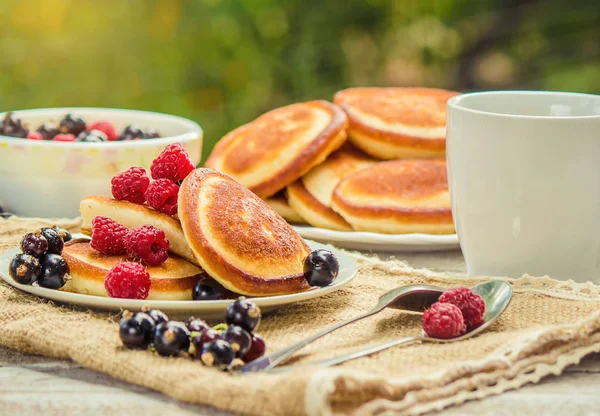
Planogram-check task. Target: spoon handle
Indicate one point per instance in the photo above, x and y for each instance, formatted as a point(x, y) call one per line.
point(272, 360)
point(366, 351)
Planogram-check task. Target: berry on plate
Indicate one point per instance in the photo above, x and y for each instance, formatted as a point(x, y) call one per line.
point(443, 320)
point(34, 244)
point(148, 244)
point(105, 127)
point(108, 236)
point(34, 135)
point(172, 163)
point(321, 267)
point(47, 130)
point(207, 290)
point(55, 271)
point(130, 185)
point(162, 196)
point(72, 125)
point(470, 304)
point(25, 269)
point(127, 280)
point(55, 241)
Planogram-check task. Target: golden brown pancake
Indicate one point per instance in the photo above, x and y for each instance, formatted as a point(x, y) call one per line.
point(397, 197)
point(134, 215)
point(172, 280)
point(310, 195)
point(238, 239)
point(280, 146)
point(281, 205)
point(397, 123)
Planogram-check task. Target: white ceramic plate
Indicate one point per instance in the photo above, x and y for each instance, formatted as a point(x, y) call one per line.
point(361, 240)
point(213, 309)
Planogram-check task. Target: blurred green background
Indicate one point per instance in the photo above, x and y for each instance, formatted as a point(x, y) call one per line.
point(224, 62)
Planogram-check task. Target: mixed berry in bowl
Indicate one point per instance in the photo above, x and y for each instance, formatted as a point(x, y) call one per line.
point(73, 129)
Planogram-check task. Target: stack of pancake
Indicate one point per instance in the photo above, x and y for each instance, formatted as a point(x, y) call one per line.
point(223, 231)
point(373, 161)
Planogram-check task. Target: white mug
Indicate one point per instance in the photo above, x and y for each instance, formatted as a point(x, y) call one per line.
point(524, 178)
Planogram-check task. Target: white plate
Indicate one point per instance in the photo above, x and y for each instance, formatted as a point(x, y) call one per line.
point(210, 309)
point(361, 240)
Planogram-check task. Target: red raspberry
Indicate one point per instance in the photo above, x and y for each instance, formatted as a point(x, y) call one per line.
point(130, 185)
point(173, 163)
point(127, 280)
point(470, 304)
point(108, 236)
point(443, 320)
point(162, 196)
point(148, 244)
point(105, 127)
point(64, 138)
point(34, 135)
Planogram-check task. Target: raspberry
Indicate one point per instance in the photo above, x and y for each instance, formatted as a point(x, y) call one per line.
point(34, 135)
point(64, 138)
point(172, 163)
point(162, 196)
point(105, 127)
point(127, 280)
point(443, 320)
point(148, 244)
point(130, 185)
point(108, 236)
point(470, 304)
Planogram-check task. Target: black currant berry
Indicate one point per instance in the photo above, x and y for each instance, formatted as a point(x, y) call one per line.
point(208, 290)
point(208, 335)
point(171, 338)
point(55, 271)
point(197, 325)
point(257, 349)
point(93, 136)
point(131, 132)
point(244, 313)
point(321, 267)
point(34, 244)
point(25, 269)
point(158, 316)
point(12, 126)
point(72, 125)
point(239, 339)
point(136, 330)
point(55, 242)
point(217, 353)
point(64, 234)
point(48, 130)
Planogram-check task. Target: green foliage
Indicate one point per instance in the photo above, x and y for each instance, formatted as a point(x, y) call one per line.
point(223, 62)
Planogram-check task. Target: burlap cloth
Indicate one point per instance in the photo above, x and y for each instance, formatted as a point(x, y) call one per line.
point(548, 326)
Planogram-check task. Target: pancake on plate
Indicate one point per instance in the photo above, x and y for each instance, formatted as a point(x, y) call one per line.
point(238, 238)
point(172, 280)
point(397, 197)
point(281, 205)
point(134, 215)
point(310, 195)
point(280, 146)
point(397, 123)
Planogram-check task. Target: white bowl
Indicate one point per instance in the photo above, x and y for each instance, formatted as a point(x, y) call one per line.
point(49, 179)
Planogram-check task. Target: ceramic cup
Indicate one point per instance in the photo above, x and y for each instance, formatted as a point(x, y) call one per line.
point(524, 177)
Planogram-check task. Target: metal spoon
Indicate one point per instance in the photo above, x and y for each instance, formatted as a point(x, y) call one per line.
point(412, 298)
point(496, 295)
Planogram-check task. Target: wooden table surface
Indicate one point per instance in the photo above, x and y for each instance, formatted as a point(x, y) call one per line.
point(32, 385)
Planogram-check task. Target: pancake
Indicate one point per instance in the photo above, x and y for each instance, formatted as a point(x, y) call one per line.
point(310, 196)
point(172, 280)
point(280, 146)
point(238, 239)
point(281, 205)
point(397, 197)
point(397, 123)
point(134, 215)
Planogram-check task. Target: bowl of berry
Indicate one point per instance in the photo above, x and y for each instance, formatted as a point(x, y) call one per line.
point(50, 159)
